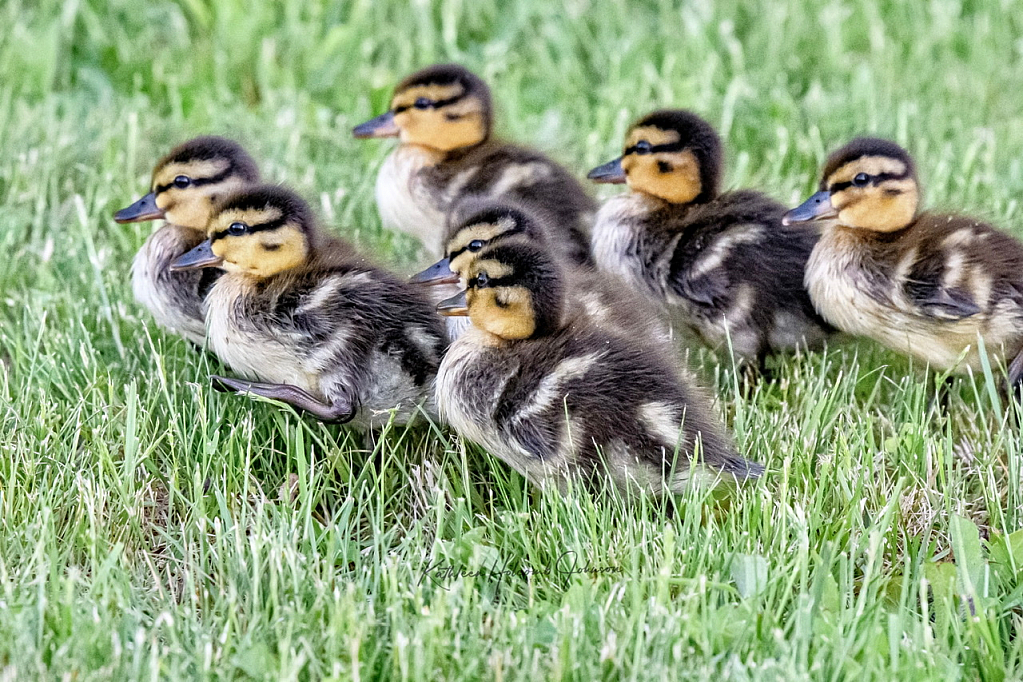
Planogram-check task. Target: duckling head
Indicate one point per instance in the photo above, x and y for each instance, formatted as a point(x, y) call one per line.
point(514, 291)
point(475, 225)
point(869, 184)
point(259, 231)
point(443, 107)
point(189, 181)
point(671, 154)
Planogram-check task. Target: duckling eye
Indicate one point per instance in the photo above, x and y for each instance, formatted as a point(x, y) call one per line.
point(475, 245)
point(642, 147)
point(861, 179)
point(482, 280)
point(422, 103)
point(237, 229)
point(182, 181)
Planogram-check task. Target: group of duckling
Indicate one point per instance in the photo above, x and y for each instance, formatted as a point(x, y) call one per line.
point(554, 347)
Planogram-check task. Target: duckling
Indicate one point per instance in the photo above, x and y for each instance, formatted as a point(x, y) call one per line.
point(720, 265)
point(555, 396)
point(185, 185)
point(309, 322)
point(443, 118)
point(481, 223)
point(924, 284)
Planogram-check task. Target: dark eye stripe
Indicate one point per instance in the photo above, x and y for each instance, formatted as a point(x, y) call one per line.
point(871, 180)
point(436, 104)
point(198, 182)
point(671, 147)
point(455, 254)
point(491, 282)
point(486, 242)
point(260, 227)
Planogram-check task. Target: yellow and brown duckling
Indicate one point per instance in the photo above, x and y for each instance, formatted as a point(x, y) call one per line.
point(186, 184)
point(557, 397)
point(925, 284)
point(481, 224)
point(721, 265)
point(443, 118)
point(312, 322)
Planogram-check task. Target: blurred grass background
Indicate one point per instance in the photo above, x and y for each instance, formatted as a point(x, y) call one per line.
point(142, 530)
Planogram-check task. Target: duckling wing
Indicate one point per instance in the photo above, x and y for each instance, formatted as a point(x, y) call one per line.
point(738, 267)
point(524, 406)
point(947, 304)
point(344, 318)
point(941, 280)
point(706, 289)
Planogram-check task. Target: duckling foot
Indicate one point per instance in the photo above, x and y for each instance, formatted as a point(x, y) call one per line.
point(752, 374)
point(292, 395)
point(1015, 375)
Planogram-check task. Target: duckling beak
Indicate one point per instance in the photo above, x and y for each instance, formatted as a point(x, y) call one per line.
point(817, 207)
point(381, 126)
point(201, 256)
point(610, 173)
point(438, 273)
point(456, 306)
point(142, 210)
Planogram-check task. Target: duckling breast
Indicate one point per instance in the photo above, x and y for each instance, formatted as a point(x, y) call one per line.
point(624, 247)
point(241, 334)
point(407, 202)
point(176, 300)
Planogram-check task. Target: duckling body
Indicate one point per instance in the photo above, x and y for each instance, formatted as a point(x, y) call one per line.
point(309, 329)
point(929, 293)
point(627, 412)
point(927, 285)
point(442, 115)
point(719, 265)
point(185, 185)
point(299, 310)
point(557, 397)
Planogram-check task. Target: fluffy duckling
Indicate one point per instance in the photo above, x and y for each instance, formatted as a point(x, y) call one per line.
point(721, 265)
point(927, 285)
point(556, 396)
point(185, 185)
point(443, 118)
point(301, 312)
point(482, 224)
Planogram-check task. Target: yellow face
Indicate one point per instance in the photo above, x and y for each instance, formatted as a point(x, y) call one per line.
point(655, 164)
point(441, 117)
point(186, 192)
point(259, 243)
point(875, 193)
point(496, 304)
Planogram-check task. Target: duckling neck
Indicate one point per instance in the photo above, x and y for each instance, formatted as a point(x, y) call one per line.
point(482, 337)
point(197, 233)
point(462, 152)
point(424, 155)
point(705, 197)
point(431, 156)
point(849, 234)
point(649, 202)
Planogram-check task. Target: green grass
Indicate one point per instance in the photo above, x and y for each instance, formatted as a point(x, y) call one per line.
point(142, 529)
